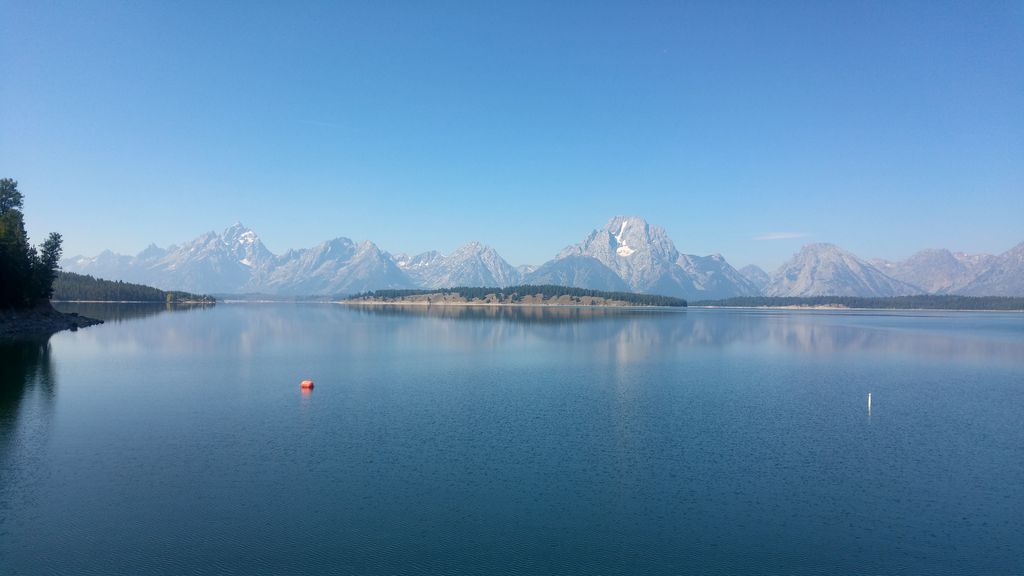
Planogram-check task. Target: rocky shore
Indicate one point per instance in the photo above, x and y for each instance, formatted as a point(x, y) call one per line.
point(39, 321)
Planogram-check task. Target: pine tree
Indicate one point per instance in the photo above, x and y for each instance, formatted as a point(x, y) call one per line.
point(26, 276)
point(47, 265)
point(15, 252)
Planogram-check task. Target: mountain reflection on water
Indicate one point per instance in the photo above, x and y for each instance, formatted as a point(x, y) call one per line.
point(462, 440)
point(120, 311)
point(625, 332)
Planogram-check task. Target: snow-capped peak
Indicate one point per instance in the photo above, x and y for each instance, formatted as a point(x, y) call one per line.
point(237, 233)
point(623, 249)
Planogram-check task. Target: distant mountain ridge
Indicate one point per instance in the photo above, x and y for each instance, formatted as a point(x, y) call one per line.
point(758, 277)
point(471, 265)
point(939, 271)
point(645, 258)
point(626, 254)
point(828, 270)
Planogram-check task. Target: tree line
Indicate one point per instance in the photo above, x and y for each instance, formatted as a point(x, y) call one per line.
point(26, 272)
point(919, 302)
point(515, 294)
point(69, 286)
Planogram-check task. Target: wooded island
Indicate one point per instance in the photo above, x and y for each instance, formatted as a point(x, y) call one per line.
point(513, 296)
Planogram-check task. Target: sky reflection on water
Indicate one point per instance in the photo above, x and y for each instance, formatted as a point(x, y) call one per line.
point(514, 441)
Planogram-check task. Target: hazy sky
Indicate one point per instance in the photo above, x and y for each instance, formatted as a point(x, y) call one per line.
point(744, 128)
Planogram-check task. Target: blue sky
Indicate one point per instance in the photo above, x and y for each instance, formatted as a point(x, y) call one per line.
point(744, 128)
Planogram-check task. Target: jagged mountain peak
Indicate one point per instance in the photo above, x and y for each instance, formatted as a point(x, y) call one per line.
point(335, 248)
point(151, 252)
point(646, 259)
point(472, 264)
point(367, 246)
point(822, 248)
point(618, 225)
point(627, 253)
point(238, 233)
point(422, 260)
point(756, 275)
point(579, 272)
point(1017, 252)
point(635, 250)
point(823, 269)
point(937, 270)
point(1003, 275)
point(632, 234)
point(473, 247)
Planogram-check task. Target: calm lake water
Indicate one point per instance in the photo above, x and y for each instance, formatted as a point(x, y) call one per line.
point(514, 441)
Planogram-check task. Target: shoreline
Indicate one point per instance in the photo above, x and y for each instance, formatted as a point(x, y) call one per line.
point(130, 302)
point(419, 303)
point(499, 305)
point(846, 308)
point(41, 320)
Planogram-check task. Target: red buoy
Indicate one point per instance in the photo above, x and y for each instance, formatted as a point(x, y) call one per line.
point(306, 385)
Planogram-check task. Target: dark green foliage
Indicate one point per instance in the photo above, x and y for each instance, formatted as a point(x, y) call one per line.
point(26, 276)
point(920, 302)
point(70, 287)
point(10, 198)
point(515, 294)
point(47, 265)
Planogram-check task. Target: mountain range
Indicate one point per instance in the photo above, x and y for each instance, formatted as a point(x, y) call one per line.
point(627, 253)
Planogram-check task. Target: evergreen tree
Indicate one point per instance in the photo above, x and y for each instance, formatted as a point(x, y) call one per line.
point(515, 294)
point(48, 264)
point(69, 286)
point(15, 252)
point(10, 198)
point(26, 276)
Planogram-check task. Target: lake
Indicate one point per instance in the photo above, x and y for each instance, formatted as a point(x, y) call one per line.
point(514, 441)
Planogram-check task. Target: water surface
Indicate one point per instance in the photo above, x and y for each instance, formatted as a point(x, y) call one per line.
point(514, 441)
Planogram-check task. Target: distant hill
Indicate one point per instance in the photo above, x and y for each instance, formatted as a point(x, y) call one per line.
point(516, 295)
point(71, 287)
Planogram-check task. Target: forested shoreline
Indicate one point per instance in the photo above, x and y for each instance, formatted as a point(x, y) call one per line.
point(525, 294)
point(27, 274)
point(71, 287)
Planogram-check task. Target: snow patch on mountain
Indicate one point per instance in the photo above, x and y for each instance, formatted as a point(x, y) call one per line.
point(645, 258)
point(626, 254)
point(623, 249)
